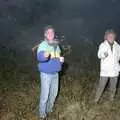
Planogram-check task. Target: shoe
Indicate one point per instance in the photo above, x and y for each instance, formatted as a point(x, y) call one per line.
point(42, 118)
point(96, 100)
point(45, 118)
point(111, 99)
point(49, 111)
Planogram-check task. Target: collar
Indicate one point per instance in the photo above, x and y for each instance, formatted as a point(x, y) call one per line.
point(106, 42)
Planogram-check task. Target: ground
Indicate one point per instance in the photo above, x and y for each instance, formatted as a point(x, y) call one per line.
point(19, 98)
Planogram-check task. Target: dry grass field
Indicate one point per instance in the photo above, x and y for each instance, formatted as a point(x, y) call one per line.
point(19, 100)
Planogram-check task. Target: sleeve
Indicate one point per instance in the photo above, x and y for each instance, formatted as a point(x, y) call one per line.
point(59, 50)
point(101, 52)
point(119, 52)
point(40, 53)
point(58, 53)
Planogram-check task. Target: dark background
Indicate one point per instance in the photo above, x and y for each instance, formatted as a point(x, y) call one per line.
point(74, 18)
point(82, 22)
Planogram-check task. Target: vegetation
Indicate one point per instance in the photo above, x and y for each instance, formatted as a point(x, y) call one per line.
point(19, 99)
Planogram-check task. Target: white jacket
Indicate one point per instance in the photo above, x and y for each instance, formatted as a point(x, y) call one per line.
point(109, 66)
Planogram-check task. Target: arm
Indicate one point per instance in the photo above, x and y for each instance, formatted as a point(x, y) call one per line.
point(61, 58)
point(40, 56)
point(101, 52)
point(119, 52)
point(41, 53)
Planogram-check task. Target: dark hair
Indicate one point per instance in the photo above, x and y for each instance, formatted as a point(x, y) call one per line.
point(110, 31)
point(48, 27)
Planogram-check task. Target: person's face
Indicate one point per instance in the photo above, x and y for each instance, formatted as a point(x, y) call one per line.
point(50, 34)
point(111, 37)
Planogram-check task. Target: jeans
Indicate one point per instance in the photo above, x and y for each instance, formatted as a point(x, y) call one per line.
point(101, 86)
point(49, 90)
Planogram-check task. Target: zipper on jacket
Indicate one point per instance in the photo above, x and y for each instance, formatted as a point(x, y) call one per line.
point(111, 46)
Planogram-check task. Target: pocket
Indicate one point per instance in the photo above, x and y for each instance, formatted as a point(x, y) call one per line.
point(104, 63)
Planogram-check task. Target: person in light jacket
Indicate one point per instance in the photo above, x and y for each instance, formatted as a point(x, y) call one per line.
point(50, 63)
point(109, 55)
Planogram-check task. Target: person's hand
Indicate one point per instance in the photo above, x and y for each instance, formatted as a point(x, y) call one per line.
point(61, 59)
point(46, 54)
point(106, 54)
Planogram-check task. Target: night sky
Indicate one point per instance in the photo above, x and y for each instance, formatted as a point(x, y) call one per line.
point(75, 18)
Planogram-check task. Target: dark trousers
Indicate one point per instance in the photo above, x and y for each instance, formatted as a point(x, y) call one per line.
point(101, 86)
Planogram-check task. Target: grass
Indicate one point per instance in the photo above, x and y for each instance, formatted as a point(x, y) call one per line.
point(19, 101)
